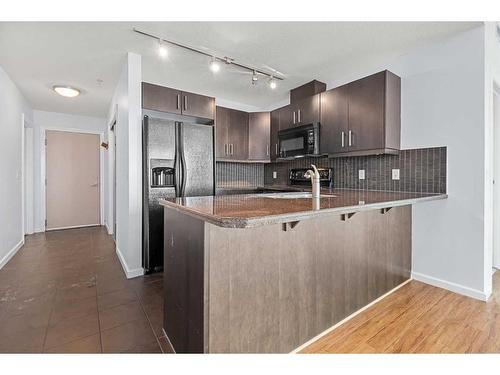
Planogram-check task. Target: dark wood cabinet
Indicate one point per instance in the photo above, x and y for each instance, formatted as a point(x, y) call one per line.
point(165, 99)
point(162, 99)
point(306, 111)
point(274, 129)
point(238, 134)
point(221, 132)
point(362, 117)
point(334, 120)
point(231, 134)
point(197, 105)
point(286, 117)
point(259, 135)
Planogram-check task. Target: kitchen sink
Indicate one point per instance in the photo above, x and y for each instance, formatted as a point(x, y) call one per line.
point(293, 195)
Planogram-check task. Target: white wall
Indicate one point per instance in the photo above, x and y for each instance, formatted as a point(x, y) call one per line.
point(126, 108)
point(443, 104)
point(52, 120)
point(12, 107)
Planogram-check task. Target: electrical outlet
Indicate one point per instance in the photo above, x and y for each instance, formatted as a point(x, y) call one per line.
point(275, 174)
point(361, 174)
point(395, 174)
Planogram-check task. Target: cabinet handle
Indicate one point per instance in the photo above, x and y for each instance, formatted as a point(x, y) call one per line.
point(225, 148)
point(298, 116)
point(294, 117)
point(267, 150)
point(350, 137)
point(343, 139)
point(231, 147)
point(276, 149)
point(178, 101)
point(185, 102)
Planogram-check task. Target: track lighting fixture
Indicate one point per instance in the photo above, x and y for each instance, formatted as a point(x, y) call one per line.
point(215, 61)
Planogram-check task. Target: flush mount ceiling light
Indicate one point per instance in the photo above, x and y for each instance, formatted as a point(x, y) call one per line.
point(215, 61)
point(66, 91)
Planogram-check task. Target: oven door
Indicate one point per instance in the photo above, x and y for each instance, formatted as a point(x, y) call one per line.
point(297, 142)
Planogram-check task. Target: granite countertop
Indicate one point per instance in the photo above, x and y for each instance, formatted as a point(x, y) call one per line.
point(251, 210)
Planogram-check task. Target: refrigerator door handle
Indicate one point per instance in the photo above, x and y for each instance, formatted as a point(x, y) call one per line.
point(177, 162)
point(180, 146)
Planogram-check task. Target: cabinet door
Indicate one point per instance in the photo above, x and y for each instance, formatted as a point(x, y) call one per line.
point(286, 117)
point(238, 134)
point(275, 127)
point(221, 132)
point(306, 110)
point(334, 120)
point(159, 98)
point(258, 135)
point(366, 113)
point(198, 105)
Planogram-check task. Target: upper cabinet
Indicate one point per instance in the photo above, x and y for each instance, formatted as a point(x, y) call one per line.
point(274, 129)
point(306, 110)
point(231, 134)
point(362, 117)
point(259, 135)
point(165, 99)
point(304, 107)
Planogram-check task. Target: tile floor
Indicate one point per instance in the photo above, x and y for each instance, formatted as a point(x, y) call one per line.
point(65, 292)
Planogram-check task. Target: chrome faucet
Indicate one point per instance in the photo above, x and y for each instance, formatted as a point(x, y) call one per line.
point(315, 179)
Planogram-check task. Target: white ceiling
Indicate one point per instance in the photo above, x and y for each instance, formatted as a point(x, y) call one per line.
point(38, 55)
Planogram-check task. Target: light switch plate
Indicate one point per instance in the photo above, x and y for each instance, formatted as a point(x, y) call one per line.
point(275, 174)
point(395, 174)
point(361, 174)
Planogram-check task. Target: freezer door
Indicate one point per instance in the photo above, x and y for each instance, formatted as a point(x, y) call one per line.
point(159, 150)
point(197, 150)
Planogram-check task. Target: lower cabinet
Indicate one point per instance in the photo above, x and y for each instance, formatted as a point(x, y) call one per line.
point(271, 288)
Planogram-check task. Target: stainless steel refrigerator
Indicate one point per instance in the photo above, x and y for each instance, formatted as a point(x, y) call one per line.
point(178, 161)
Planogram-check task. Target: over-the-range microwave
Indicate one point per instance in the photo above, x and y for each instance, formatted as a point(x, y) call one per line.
point(299, 141)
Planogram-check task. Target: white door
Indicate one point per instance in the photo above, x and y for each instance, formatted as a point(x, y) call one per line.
point(72, 192)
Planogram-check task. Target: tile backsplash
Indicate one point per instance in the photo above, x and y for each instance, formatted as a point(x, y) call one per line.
point(239, 174)
point(420, 170)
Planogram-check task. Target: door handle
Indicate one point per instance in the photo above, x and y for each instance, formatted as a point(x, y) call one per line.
point(178, 101)
point(350, 137)
point(343, 139)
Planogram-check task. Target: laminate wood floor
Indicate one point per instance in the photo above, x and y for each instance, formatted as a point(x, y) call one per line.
point(419, 318)
point(65, 292)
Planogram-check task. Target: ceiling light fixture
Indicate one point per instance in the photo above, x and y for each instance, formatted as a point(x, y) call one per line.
point(272, 83)
point(216, 61)
point(162, 49)
point(255, 78)
point(66, 91)
point(214, 65)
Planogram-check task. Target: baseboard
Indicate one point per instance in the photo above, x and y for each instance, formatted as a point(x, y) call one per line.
point(130, 273)
point(73, 227)
point(452, 287)
point(328, 330)
point(11, 253)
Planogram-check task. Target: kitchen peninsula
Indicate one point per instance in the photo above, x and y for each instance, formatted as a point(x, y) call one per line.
point(268, 272)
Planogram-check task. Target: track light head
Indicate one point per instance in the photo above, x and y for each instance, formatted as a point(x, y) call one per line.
point(272, 83)
point(162, 49)
point(214, 65)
